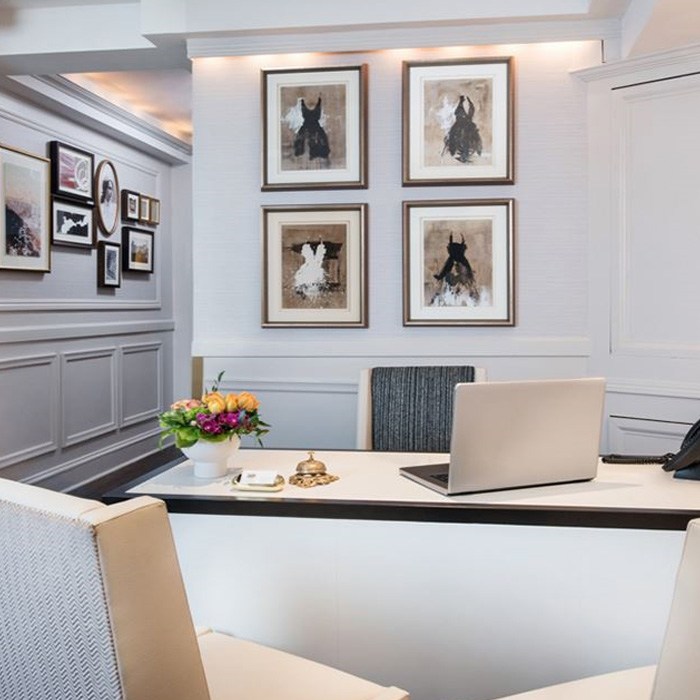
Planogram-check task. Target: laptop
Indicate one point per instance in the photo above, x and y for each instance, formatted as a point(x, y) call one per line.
point(509, 435)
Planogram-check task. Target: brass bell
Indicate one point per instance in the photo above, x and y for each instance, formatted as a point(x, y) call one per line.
point(311, 466)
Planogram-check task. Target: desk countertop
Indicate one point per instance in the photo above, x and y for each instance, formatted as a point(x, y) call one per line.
point(371, 488)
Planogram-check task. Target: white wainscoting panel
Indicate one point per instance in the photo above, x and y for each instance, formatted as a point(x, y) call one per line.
point(29, 406)
point(141, 382)
point(646, 437)
point(659, 247)
point(89, 394)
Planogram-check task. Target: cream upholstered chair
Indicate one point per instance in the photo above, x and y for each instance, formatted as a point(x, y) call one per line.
point(409, 409)
point(92, 606)
point(677, 675)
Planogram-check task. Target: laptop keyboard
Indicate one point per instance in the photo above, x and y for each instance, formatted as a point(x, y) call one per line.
point(441, 477)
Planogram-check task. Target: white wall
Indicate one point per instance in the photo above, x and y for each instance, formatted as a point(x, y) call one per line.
point(644, 209)
point(84, 370)
point(305, 371)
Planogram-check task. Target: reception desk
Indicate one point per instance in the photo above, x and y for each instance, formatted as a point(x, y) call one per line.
point(464, 597)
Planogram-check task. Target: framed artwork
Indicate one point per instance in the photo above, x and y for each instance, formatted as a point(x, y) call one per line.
point(154, 219)
point(458, 122)
point(314, 128)
point(315, 266)
point(72, 224)
point(71, 172)
point(458, 263)
point(26, 214)
point(107, 186)
point(138, 250)
point(109, 265)
point(144, 209)
point(130, 206)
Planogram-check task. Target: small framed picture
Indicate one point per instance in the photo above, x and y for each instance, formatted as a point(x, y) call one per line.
point(315, 266)
point(130, 205)
point(24, 201)
point(315, 128)
point(72, 224)
point(144, 209)
point(154, 219)
point(71, 172)
point(107, 186)
point(109, 265)
point(138, 250)
point(458, 263)
point(458, 122)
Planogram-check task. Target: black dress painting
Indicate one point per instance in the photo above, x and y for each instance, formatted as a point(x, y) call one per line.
point(311, 139)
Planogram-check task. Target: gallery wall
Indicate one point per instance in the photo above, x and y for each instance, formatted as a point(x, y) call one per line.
point(308, 377)
point(84, 370)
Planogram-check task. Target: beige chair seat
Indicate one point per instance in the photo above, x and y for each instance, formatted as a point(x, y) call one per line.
point(239, 669)
point(635, 684)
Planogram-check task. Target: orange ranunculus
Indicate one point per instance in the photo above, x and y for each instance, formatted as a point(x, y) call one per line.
point(247, 401)
point(231, 402)
point(215, 402)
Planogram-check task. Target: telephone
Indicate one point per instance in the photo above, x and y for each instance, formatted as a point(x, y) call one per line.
point(685, 463)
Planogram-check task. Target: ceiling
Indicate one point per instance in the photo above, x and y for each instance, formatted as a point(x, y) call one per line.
point(162, 94)
point(162, 97)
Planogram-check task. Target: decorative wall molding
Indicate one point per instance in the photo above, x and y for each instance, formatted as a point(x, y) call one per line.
point(292, 386)
point(492, 346)
point(51, 412)
point(679, 390)
point(52, 133)
point(92, 456)
point(625, 70)
point(622, 341)
point(667, 433)
point(67, 98)
point(67, 358)
point(394, 37)
point(73, 331)
point(132, 349)
point(83, 305)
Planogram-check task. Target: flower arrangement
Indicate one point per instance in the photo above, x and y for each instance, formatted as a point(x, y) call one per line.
point(214, 418)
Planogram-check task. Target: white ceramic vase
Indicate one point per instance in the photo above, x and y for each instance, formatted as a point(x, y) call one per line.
point(212, 459)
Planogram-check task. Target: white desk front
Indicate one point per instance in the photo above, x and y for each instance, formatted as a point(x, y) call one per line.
point(467, 597)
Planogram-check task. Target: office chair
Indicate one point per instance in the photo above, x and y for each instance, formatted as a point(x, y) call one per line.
point(93, 607)
point(409, 409)
point(677, 675)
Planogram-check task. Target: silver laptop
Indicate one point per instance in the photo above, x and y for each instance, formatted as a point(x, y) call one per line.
point(512, 434)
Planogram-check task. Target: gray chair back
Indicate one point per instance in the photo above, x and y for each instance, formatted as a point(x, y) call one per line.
point(412, 407)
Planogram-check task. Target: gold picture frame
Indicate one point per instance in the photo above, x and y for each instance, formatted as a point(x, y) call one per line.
point(459, 263)
point(458, 122)
point(315, 266)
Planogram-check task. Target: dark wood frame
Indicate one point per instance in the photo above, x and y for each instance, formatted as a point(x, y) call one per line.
point(57, 201)
point(363, 320)
point(407, 279)
point(117, 199)
point(55, 148)
point(46, 233)
point(101, 255)
point(508, 177)
point(362, 181)
point(125, 205)
point(126, 258)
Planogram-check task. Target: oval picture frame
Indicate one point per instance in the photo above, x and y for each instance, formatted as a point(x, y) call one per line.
point(107, 197)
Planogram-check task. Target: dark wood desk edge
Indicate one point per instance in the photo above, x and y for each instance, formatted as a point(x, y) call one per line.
point(403, 511)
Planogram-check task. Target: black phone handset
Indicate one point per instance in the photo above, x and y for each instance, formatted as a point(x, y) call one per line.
point(686, 462)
